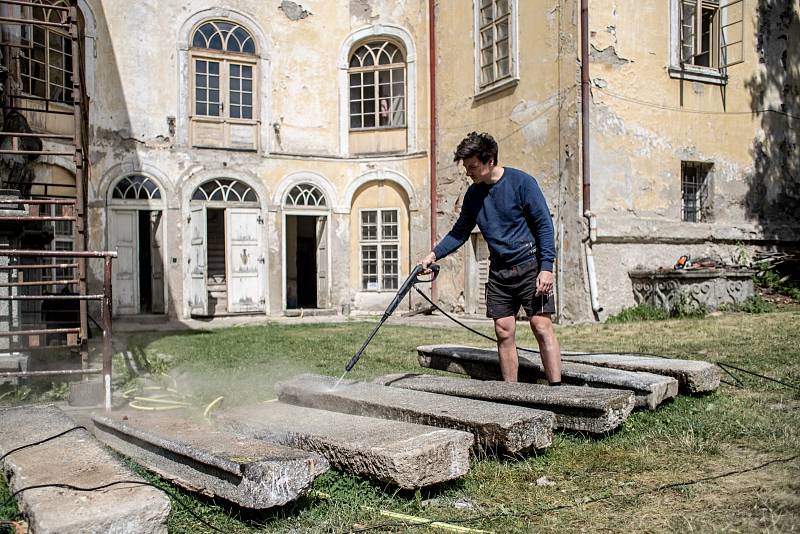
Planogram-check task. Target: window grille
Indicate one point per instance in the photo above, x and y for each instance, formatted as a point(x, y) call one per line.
point(495, 41)
point(694, 190)
point(45, 69)
point(380, 250)
point(224, 190)
point(136, 187)
point(377, 86)
point(305, 195)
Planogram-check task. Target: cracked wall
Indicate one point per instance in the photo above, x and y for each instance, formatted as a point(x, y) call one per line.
point(644, 122)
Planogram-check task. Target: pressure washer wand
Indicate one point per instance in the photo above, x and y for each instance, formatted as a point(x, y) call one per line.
point(412, 279)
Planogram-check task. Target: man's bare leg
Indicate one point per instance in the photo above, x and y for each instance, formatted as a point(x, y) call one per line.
point(549, 348)
point(505, 328)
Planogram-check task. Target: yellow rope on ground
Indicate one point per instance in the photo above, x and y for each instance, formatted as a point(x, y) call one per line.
point(133, 404)
point(428, 522)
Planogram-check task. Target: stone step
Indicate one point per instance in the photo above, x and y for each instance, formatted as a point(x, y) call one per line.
point(649, 389)
point(406, 455)
point(694, 376)
point(581, 408)
point(78, 459)
point(497, 427)
point(245, 471)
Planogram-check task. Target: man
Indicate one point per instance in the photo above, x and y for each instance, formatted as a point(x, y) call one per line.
point(511, 212)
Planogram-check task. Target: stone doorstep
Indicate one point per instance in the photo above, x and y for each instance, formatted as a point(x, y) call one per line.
point(579, 408)
point(403, 454)
point(510, 429)
point(75, 458)
point(694, 376)
point(649, 389)
point(248, 472)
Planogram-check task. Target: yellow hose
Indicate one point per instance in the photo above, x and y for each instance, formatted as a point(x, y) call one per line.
point(133, 404)
point(211, 405)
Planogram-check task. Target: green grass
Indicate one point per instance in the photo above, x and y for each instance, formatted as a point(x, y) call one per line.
point(630, 480)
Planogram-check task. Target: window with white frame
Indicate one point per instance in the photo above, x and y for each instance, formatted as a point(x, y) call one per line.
point(224, 89)
point(495, 43)
point(377, 75)
point(708, 35)
point(380, 249)
point(45, 68)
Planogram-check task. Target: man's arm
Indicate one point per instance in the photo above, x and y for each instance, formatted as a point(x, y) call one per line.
point(538, 217)
point(458, 235)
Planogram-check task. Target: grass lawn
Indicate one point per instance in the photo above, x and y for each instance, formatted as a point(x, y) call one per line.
point(720, 462)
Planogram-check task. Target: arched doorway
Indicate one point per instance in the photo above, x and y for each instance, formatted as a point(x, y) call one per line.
point(306, 260)
point(136, 232)
point(226, 256)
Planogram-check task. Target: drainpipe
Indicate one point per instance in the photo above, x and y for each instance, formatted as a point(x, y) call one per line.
point(587, 199)
point(432, 122)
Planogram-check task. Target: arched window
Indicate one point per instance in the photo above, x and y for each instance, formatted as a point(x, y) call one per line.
point(224, 86)
point(305, 195)
point(136, 187)
point(377, 74)
point(45, 69)
point(224, 190)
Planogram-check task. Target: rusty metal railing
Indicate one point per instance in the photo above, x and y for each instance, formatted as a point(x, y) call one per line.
point(76, 336)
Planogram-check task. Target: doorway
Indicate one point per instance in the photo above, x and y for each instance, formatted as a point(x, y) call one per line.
point(138, 272)
point(306, 261)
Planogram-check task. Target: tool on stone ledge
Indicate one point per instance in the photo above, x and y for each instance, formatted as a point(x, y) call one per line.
point(412, 279)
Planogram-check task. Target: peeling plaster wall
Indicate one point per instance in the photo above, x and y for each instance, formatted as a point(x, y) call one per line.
point(535, 123)
point(644, 123)
point(139, 99)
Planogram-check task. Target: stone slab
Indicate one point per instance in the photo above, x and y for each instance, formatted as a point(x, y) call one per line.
point(649, 389)
point(407, 455)
point(75, 458)
point(496, 427)
point(693, 376)
point(580, 408)
point(245, 471)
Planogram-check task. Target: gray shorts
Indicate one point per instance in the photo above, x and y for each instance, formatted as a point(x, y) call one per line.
point(510, 288)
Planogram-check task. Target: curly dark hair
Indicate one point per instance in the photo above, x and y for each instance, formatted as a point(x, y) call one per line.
point(477, 144)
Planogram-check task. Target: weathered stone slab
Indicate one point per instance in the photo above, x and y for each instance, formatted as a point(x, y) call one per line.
point(406, 455)
point(78, 459)
point(248, 472)
point(693, 376)
point(649, 389)
point(580, 408)
point(495, 426)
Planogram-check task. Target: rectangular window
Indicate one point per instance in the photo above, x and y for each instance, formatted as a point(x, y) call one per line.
point(241, 91)
point(708, 37)
point(206, 88)
point(495, 30)
point(380, 250)
point(45, 69)
point(694, 190)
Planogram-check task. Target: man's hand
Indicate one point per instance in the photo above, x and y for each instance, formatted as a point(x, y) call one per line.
point(427, 260)
point(544, 283)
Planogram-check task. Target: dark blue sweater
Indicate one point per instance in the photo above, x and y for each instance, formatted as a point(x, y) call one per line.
point(513, 217)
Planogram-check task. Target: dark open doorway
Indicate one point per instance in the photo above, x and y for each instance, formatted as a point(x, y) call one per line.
point(301, 261)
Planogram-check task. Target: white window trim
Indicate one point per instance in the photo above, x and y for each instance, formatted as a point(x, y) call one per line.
point(512, 80)
point(379, 242)
point(688, 72)
point(369, 33)
point(261, 80)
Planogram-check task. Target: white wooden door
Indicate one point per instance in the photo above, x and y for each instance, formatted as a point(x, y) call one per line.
point(322, 262)
point(157, 262)
point(245, 261)
point(124, 238)
point(197, 271)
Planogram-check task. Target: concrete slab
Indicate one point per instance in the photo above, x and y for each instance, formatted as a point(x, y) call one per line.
point(693, 376)
point(649, 389)
point(248, 472)
point(406, 455)
point(595, 410)
point(497, 427)
point(76, 458)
